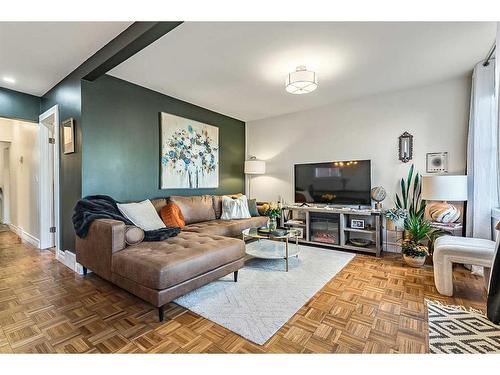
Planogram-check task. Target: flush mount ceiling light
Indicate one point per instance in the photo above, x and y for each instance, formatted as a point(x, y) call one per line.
point(302, 81)
point(9, 80)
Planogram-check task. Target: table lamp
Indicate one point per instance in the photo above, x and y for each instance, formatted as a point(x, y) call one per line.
point(254, 166)
point(444, 188)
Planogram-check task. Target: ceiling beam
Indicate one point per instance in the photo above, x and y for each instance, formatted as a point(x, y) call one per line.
point(136, 37)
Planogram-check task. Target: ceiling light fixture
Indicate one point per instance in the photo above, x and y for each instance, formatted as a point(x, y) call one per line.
point(302, 81)
point(9, 80)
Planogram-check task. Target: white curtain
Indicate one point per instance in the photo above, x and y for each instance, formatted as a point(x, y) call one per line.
point(482, 152)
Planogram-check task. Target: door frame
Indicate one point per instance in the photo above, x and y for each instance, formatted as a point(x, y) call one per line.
point(45, 179)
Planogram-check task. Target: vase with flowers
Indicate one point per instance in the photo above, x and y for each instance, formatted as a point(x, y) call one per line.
point(273, 211)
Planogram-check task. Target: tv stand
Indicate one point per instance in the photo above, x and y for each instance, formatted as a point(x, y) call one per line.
point(332, 227)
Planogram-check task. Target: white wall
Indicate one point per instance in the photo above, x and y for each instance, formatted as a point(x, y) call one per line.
point(23, 187)
point(366, 128)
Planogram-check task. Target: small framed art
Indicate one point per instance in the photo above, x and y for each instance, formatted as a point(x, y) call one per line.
point(437, 162)
point(68, 136)
point(357, 224)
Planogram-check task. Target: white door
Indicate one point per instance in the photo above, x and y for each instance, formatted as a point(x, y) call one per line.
point(49, 178)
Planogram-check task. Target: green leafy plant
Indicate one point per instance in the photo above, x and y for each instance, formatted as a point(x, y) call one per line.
point(396, 214)
point(410, 199)
point(418, 229)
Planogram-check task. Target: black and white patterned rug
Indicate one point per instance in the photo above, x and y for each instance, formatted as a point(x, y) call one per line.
point(457, 330)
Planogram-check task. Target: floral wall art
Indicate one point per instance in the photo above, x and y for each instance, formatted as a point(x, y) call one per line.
point(189, 154)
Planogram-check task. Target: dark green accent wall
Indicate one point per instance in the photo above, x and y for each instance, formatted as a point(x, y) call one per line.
point(121, 142)
point(17, 105)
point(67, 95)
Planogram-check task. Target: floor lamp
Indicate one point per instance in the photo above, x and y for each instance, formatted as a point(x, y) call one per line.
point(252, 167)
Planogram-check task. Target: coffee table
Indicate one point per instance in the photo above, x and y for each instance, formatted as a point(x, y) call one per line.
point(274, 253)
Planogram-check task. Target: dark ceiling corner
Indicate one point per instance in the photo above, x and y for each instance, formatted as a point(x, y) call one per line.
point(136, 37)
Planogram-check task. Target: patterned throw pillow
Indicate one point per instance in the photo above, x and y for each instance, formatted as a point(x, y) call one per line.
point(171, 215)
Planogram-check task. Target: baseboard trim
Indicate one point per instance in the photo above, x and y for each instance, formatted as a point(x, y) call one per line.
point(68, 258)
point(25, 236)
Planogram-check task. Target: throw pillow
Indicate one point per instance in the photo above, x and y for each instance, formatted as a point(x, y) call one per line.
point(252, 208)
point(142, 214)
point(171, 215)
point(235, 208)
point(133, 235)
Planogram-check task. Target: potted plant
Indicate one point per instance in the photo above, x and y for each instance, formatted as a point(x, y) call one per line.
point(273, 211)
point(412, 246)
point(395, 218)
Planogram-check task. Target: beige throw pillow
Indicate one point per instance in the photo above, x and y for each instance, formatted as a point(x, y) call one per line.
point(235, 208)
point(142, 214)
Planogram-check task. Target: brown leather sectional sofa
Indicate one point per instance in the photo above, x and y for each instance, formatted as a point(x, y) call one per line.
point(207, 249)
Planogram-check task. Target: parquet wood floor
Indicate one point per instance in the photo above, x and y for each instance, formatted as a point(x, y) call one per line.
point(374, 305)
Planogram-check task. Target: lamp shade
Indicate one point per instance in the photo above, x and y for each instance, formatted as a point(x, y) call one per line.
point(302, 81)
point(444, 188)
point(255, 166)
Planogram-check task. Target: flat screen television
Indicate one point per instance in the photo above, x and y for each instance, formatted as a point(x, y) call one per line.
point(336, 183)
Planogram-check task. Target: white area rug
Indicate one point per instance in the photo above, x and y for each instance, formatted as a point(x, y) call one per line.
point(265, 297)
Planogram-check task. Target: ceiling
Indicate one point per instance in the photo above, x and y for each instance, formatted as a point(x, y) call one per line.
point(37, 55)
point(239, 69)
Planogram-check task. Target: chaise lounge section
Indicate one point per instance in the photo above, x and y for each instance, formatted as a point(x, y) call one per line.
point(158, 272)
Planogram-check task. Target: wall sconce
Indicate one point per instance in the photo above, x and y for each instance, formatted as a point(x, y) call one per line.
point(405, 147)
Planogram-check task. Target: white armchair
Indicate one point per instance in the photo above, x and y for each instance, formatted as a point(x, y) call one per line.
point(463, 250)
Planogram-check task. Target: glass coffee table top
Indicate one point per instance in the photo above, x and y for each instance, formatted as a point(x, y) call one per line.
point(274, 245)
point(278, 234)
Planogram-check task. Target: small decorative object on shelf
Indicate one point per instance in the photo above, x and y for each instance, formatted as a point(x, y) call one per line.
point(378, 194)
point(273, 211)
point(395, 218)
point(405, 147)
point(357, 224)
point(361, 242)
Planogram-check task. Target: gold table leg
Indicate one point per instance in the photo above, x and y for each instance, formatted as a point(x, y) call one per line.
point(286, 256)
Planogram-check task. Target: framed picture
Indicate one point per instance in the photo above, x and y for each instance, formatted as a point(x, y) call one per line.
point(357, 223)
point(189, 155)
point(68, 136)
point(437, 162)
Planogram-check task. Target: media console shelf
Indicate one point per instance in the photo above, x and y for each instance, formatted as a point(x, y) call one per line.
point(332, 227)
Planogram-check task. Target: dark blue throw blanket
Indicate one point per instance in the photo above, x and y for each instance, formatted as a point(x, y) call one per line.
point(95, 207)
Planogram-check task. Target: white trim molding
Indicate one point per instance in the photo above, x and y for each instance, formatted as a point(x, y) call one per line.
point(47, 196)
point(68, 258)
point(25, 236)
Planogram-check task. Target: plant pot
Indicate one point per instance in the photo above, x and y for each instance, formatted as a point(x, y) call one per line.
point(394, 224)
point(414, 261)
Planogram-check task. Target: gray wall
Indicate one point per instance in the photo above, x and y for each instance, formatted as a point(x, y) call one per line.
point(121, 143)
point(17, 105)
